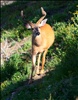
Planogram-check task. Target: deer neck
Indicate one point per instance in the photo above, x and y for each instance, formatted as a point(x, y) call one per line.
point(37, 40)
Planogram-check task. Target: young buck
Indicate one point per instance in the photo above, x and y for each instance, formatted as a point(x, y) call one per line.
point(42, 39)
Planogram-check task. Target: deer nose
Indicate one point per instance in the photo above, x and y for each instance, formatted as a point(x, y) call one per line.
point(37, 33)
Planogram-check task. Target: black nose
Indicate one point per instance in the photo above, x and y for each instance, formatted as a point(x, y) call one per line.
point(37, 33)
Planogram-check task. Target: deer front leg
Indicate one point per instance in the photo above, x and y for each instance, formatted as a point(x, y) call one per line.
point(43, 62)
point(33, 67)
point(38, 65)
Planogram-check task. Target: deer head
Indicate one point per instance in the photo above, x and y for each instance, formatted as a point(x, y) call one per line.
point(34, 26)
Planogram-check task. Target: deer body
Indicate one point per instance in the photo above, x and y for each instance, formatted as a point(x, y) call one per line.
point(42, 39)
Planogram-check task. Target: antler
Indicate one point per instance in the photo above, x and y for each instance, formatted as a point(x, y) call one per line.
point(22, 13)
point(23, 17)
point(43, 13)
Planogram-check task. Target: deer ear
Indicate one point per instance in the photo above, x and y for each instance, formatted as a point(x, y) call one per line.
point(28, 26)
point(43, 22)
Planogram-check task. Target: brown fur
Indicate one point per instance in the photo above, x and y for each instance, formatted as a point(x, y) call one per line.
point(44, 41)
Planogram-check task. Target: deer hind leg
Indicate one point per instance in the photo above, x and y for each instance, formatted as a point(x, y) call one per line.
point(43, 62)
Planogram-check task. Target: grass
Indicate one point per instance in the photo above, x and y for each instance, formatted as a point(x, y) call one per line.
point(61, 83)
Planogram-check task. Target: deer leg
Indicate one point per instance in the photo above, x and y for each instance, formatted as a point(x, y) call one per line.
point(43, 62)
point(33, 67)
point(38, 65)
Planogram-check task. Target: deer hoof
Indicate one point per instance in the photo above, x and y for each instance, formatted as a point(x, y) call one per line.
point(37, 70)
point(30, 81)
point(42, 72)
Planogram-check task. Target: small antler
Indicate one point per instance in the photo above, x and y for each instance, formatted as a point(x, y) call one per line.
point(22, 15)
point(43, 13)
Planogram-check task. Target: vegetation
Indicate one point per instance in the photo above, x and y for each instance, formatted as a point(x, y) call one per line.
point(61, 82)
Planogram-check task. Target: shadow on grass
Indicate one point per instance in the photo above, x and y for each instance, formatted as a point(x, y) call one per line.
point(58, 84)
point(17, 63)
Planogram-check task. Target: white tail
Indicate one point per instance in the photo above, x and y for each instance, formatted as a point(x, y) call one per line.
point(42, 39)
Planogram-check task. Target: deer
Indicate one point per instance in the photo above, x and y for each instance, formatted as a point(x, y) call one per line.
point(42, 39)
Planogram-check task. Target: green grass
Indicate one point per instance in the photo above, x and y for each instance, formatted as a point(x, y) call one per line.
point(61, 82)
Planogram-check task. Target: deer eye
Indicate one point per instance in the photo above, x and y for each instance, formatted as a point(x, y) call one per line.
point(32, 29)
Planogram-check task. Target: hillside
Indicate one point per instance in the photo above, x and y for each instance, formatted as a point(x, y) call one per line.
point(60, 80)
